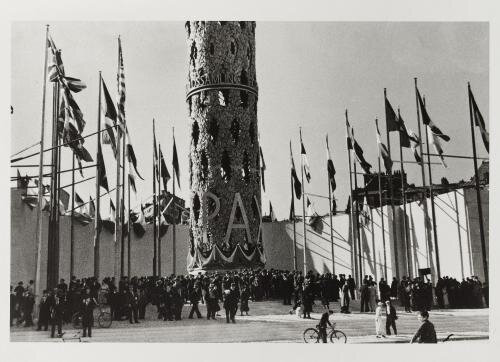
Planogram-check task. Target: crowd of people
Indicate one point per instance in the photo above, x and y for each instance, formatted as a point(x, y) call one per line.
point(232, 290)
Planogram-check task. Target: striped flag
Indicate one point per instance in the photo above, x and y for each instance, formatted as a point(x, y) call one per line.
point(297, 186)
point(428, 121)
point(434, 141)
point(383, 151)
point(479, 122)
point(305, 162)
point(414, 143)
point(110, 117)
point(55, 66)
point(120, 77)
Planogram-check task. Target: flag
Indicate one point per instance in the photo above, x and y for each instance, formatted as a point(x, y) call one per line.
point(156, 167)
point(428, 122)
point(55, 68)
point(305, 163)
point(292, 209)
point(73, 84)
point(414, 143)
point(110, 118)
point(403, 134)
point(129, 149)
point(262, 168)
point(434, 141)
point(297, 186)
point(103, 179)
point(109, 223)
point(165, 175)
point(479, 122)
point(22, 182)
point(333, 207)
point(365, 212)
point(383, 151)
point(351, 143)
point(138, 225)
point(91, 207)
point(120, 77)
point(348, 207)
point(390, 117)
point(271, 212)
point(315, 221)
point(175, 164)
point(330, 167)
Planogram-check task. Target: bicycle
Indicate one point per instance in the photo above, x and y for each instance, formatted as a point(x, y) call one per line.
point(311, 335)
point(104, 319)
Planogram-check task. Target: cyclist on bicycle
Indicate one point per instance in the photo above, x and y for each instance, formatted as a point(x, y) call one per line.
point(323, 323)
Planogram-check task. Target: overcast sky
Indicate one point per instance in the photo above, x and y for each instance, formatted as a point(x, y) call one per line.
point(308, 74)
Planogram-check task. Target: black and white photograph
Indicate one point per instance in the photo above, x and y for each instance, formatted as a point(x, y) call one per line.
point(225, 179)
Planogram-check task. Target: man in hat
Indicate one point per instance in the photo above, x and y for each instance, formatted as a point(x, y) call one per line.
point(194, 298)
point(391, 317)
point(88, 304)
point(56, 313)
point(231, 303)
point(44, 314)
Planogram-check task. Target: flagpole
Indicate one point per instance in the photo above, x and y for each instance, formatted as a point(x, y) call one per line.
point(117, 259)
point(293, 215)
point(358, 237)
point(97, 216)
point(72, 228)
point(422, 170)
point(433, 210)
point(354, 269)
point(303, 204)
point(159, 210)
point(459, 235)
point(39, 229)
point(478, 192)
point(381, 209)
point(175, 210)
point(403, 197)
point(331, 220)
point(122, 208)
point(391, 190)
point(154, 203)
point(128, 227)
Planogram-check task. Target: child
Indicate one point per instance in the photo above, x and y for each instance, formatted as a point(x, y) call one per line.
point(378, 320)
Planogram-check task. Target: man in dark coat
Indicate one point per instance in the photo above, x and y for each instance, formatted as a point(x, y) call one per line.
point(56, 313)
point(351, 284)
point(365, 296)
point(307, 299)
point(194, 298)
point(88, 304)
point(44, 313)
point(323, 323)
point(391, 317)
point(28, 305)
point(231, 303)
point(132, 303)
point(426, 333)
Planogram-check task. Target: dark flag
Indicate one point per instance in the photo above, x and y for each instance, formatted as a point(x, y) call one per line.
point(357, 149)
point(165, 175)
point(110, 117)
point(175, 164)
point(305, 162)
point(479, 122)
point(383, 151)
point(330, 167)
point(403, 132)
point(297, 186)
point(292, 209)
point(91, 207)
point(348, 207)
point(271, 212)
point(22, 182)
point(109, 224)
point(315, 221)
point(428, 122)
point(334, 207)
point(155, 156)
point(390, 116)
point(262, 168)
point(103, 179)
point(131, 154)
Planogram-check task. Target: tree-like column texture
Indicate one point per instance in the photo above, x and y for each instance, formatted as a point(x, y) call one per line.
point(224, 159)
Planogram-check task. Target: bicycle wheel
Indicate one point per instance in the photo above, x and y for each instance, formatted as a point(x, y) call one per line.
point(311, 335)
point(104, 320)
point(338, 337)
point(76, 320)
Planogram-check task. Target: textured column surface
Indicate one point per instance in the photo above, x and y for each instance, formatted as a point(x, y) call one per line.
point(224, 149)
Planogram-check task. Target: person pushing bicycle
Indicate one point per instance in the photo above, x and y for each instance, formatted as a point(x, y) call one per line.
point(324, 322)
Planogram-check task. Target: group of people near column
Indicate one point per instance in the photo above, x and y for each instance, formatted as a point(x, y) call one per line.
point(232, 290)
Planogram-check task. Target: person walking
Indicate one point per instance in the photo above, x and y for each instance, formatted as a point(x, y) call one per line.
point(44, 312)
point(244, 297)
point(56, 314)
point(426, 333)
point(88, 304)
point(231, 303)
point(391, 317)
point(378, 320)
point(194, 298)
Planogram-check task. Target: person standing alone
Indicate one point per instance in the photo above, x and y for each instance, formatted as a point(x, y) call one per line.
point(391, 317)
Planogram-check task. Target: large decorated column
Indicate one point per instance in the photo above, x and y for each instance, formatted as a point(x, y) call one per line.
point(225, 218)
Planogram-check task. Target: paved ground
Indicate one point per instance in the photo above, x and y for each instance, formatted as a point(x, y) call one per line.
point(270, 321)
